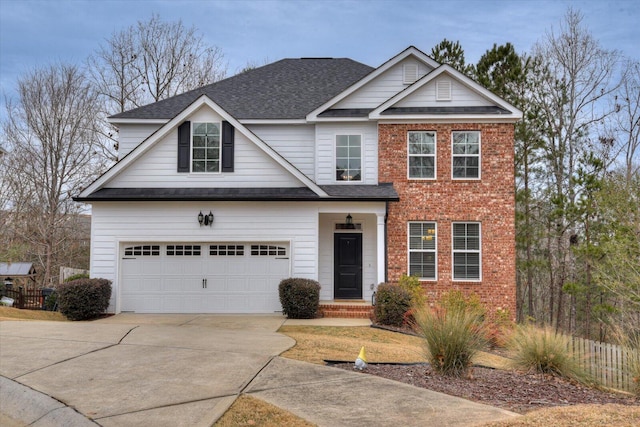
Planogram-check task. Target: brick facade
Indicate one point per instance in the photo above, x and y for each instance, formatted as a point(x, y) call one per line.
point(490, 201)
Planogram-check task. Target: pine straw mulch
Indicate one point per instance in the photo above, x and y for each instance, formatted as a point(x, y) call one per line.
point(511, 390)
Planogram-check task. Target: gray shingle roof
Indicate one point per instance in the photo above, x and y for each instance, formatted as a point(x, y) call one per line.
point(380, 192)
point(286, 89)
point(16, 269)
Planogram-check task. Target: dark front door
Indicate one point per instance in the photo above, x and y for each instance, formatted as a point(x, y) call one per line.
point(347, 270)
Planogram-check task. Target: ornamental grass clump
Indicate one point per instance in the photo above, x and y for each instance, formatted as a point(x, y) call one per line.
point(453, 335)
point(545, 351)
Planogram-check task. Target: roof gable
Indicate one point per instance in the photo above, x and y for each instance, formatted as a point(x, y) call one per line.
point(170, 126)
point(419, 100)
point(339, 102)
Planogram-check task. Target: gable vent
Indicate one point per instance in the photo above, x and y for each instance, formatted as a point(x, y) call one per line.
point(443, 90)
point(410, 74)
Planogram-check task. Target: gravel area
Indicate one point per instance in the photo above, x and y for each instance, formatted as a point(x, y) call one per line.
point(515, 391)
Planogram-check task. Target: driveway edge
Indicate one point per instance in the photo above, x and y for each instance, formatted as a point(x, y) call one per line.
point(28, 406)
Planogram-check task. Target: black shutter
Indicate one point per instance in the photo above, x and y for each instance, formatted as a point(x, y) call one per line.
point(184, 145)
point(228, 134)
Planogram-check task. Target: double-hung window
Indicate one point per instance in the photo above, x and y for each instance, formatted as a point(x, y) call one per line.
point(348, 157)
point(465, 155)
point(205, 147)
point(423, 250)
point(421, 149)
point(467, 263)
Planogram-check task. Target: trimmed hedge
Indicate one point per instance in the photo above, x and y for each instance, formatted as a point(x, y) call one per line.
point(84, 299)
point(300, 298)
point(392, 302)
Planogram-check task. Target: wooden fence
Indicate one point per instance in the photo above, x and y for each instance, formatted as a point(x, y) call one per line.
point(609, 364)
point(32, 299)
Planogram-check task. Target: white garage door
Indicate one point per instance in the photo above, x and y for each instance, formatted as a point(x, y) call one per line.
point(203, 278)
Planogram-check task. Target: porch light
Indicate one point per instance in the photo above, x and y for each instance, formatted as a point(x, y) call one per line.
point(349, 222)
point(205, 219)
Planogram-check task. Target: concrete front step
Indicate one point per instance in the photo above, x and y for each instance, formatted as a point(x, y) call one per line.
point(346, 310)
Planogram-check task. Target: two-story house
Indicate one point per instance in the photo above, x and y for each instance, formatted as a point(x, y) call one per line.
point(315, 167)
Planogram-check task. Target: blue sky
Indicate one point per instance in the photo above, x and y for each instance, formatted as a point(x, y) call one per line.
point(36, 33)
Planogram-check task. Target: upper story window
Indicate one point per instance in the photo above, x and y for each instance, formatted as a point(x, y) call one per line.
point(348, 157)
point(205, 146)
point(421, 149)
point(465, 155)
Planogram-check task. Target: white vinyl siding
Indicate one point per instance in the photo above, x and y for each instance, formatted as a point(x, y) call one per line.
point(423, 250)
point(157, 222)
point(326, 152)
point(116, 225)
point(131, 135)
point(421, 155)
point(461, 96)
point(467, 255)
point(158, 166)
point(465, 155)
point(296, 143)
point(383, 87)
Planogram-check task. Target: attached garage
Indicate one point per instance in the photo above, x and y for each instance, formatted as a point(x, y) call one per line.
point(203, 277)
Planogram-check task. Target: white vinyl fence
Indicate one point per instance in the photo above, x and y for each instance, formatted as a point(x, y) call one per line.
point(607, 363)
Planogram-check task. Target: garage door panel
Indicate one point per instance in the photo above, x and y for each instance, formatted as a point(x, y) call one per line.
point(240, 278)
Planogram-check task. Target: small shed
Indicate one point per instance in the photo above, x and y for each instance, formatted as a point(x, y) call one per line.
point(18, 274)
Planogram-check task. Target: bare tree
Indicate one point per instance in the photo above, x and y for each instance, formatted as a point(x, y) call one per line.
point(627, 120)
point(51, 134)
point(148, 62)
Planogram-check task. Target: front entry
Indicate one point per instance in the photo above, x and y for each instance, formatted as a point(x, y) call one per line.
point(347, 270)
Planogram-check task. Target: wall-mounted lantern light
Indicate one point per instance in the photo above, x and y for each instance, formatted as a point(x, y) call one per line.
point(205, 219)
point(349, 222)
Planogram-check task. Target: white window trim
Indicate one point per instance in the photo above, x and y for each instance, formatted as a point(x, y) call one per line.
point(335, 149)
point(435, 157)
point(435, 250)
point(479, 251)
point(219, 123)
point(479, 155)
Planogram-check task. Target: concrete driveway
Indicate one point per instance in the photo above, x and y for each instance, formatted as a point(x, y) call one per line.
point(186, 370)
point(136, 369)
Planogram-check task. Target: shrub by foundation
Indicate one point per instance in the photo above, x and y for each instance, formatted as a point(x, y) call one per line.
point(84, 299)
point(392, 302)
point(300, 298)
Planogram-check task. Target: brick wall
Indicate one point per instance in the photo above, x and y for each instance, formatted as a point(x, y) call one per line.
point(490, 201)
